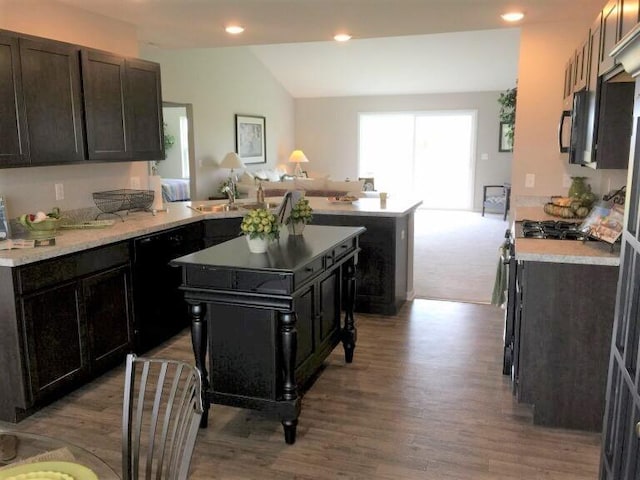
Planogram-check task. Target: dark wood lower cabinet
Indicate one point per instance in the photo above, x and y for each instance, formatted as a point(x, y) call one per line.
point(562, 341)
point(383, 260)
point(63, 321)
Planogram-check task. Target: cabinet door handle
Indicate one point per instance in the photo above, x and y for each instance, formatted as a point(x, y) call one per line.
point(638, 429)
point(344, 246)
point(309, 269)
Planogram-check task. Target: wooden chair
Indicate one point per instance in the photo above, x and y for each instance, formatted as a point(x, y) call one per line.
point(497, 197)
point(160, 418)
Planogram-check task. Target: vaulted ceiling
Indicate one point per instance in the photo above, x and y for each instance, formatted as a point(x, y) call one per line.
point(398, 46)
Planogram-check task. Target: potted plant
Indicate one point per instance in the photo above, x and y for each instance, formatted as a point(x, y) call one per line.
point(299, 217)
point(260, 227)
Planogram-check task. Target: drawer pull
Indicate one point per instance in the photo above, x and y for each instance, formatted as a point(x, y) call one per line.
point(344, 246)
point(309, 269)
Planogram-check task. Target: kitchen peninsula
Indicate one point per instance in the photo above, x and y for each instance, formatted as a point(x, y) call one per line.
point(84, 287)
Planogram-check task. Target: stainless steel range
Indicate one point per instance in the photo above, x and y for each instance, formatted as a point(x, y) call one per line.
point(550, 229)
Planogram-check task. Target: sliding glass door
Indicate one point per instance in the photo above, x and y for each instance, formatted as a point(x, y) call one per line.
point(427, 155)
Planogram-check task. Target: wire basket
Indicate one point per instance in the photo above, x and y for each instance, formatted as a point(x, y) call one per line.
point(113, 201)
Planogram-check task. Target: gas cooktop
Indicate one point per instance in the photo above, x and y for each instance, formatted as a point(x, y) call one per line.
point(550, 229)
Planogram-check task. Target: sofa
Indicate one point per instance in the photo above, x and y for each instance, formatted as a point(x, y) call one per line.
point(276, 183)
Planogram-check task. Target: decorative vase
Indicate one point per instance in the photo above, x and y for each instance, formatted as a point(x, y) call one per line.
point(578, 187)
point(257, 244)
point(295, 228)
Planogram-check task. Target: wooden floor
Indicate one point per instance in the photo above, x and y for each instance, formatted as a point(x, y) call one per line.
point(423, 399)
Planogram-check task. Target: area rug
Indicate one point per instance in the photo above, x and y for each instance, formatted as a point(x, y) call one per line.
point(456, 254)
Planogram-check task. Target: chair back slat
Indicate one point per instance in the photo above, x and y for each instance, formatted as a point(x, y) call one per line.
point(162, 409)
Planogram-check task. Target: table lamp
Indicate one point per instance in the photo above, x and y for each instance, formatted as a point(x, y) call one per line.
point(231, 160)
point(298, 157)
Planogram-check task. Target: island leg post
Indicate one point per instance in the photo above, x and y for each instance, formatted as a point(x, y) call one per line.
point(349, 332)
point(289, 338)
point(199, 345)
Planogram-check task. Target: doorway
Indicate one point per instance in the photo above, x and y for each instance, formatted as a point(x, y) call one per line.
point(179, 144)
point(429, 155)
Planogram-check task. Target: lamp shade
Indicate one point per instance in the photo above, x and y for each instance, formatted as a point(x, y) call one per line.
point(231, 160)
point(298, 156)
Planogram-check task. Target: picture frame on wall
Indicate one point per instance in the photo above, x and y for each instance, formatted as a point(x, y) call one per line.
point(505, 141)
point(251, 138)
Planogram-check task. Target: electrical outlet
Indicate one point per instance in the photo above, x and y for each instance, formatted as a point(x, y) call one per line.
point(566, 180)
point(530, 180)
point(135, 182)
point(484, 156)
point(59, 191)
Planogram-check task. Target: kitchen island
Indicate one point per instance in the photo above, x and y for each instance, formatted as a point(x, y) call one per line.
point(268, 320)
point(564, 309)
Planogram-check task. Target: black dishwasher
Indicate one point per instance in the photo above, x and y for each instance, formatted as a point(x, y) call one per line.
point(159, 307)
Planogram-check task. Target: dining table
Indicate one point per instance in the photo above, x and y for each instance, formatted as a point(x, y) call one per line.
point(23, 454)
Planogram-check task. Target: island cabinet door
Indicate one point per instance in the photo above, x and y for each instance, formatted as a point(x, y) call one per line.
point(242, 352)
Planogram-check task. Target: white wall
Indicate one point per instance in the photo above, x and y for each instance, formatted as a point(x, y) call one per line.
point(219, 83)
point(32, 189)
point(544, 51)
point(327, 131)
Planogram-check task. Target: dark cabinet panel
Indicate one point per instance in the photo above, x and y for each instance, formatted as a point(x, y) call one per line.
point(14, 144)
point(564, 340)
point(107, 308)
point(54, 339)
point(144, 107)
point(159, 308)
point(615, 122)
point(123, 107)
point(103, 79)
point(382, 262)
point(53, 102)
point(221, 230)
point(610, 35)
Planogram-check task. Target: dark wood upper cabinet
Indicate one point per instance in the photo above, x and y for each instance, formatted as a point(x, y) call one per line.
point(103, 80)
point(123, 107)
point(14, 143)
point(62, 103)
point(144, 107)
point(53, 101)
point(630, 15)
point(610, 35)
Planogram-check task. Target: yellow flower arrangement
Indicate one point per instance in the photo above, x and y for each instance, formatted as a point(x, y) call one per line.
point(260, 223)
point(300, 213)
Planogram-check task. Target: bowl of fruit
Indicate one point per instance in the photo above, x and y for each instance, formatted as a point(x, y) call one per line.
point(40, 224)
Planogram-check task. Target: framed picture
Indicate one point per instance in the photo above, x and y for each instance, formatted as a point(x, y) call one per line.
point(251, 138)
point(505, 141)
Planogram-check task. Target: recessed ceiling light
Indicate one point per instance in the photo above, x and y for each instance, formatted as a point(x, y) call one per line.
point(512, 16)
point(342, 37)
point(234, 29)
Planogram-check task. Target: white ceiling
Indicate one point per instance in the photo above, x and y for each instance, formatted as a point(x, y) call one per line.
point(399, 46)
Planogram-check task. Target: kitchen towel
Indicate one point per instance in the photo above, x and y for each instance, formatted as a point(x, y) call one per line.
point(498, 297)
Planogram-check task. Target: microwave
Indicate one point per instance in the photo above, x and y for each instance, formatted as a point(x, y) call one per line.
point(572, 131)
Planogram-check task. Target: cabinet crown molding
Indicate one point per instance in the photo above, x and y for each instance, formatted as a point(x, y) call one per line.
point(627, 51)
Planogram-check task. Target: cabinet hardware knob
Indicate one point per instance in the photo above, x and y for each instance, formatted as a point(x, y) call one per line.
point(309, 269)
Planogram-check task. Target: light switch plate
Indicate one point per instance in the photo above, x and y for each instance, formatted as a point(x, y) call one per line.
point(135, 182)
point(59, 191)
point(530, 180)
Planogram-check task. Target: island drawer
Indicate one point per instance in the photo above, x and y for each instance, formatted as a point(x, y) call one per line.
point(344, 248)
point(225, 279)
point(310, 270)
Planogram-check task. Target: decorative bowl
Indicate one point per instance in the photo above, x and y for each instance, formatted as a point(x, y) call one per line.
point(41, 229)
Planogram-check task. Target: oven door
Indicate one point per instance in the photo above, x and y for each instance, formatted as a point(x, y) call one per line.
point(510, 312)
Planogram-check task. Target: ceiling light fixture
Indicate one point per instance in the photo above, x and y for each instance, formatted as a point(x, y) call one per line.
point(512, 16)
point(234, 29)
point(342, 37)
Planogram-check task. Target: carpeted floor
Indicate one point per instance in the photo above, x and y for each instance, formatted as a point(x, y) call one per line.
point(456, 254)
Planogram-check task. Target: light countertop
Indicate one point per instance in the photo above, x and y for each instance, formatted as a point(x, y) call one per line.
point(179, 213)
point(561, 251)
